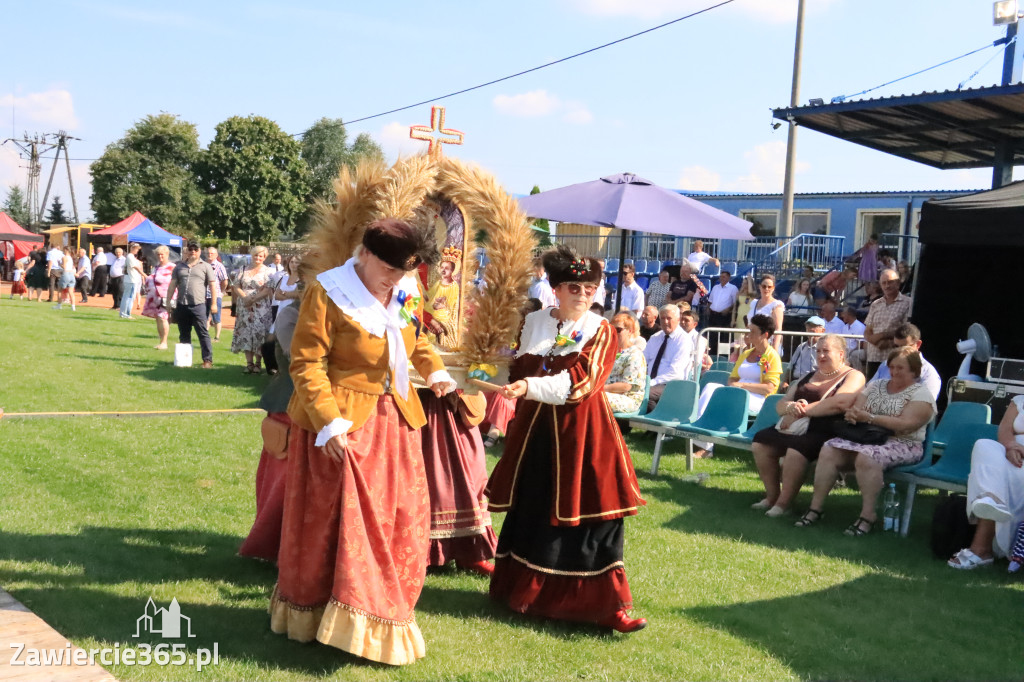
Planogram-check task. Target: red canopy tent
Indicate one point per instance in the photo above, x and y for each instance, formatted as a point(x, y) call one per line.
point(108, 234)
point(18, 239)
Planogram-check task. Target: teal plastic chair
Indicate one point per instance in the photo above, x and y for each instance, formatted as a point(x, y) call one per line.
point(678, 404)
point(950, 472)
point(956, 415)
point(765, 418)
point(722, 366)
point(726, 414)
point(714, 376)
point(643, 403)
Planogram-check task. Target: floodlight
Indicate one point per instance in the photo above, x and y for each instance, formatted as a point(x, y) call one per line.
point(816, 102)
point(1004, 12)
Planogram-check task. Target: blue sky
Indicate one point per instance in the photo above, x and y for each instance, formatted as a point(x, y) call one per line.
point(687, 106)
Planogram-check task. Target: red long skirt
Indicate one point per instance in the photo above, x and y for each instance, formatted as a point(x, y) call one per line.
point(264, 539)
point(354, 542)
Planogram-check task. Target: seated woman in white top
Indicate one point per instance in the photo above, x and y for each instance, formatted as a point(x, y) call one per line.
point(800, 298)
point(995, 491)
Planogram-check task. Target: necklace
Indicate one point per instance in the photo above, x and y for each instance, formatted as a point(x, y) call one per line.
point(826, 375)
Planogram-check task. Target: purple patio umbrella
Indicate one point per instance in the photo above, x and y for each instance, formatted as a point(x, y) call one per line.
point(628, 202)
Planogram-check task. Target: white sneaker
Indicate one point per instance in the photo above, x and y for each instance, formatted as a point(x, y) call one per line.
point(987, 508)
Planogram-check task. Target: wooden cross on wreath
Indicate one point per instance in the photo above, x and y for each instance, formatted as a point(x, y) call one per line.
point(436, 125)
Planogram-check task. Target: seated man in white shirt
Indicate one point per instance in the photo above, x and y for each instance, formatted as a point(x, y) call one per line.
point(804, 358)
point(669, 353)
point(833, 323)
point(632, 293)
point(855, 348)
point(908, 334)
point(698, 258)
point(540, 289)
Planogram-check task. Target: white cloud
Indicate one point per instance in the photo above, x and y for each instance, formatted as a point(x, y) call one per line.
point(45, 111)
point(542, 103)
point(775, 11)
point(395, 141)
point(766, 164)
point(577, 112)
point(765, 172)
point(528, 104)
point(700, 178)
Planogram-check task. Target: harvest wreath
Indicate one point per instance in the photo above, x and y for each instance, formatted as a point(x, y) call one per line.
point(409, 190)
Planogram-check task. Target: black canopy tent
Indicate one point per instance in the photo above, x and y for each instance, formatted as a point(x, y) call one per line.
point(972, 249)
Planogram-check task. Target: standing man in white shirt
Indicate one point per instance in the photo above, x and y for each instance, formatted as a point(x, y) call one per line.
point(54, 259)
point(540, 289)
point(277, 266)
point(669, 353)
point(698, 258)
point(632, 293)
point(100, 272)
point(722, 301)
point(116, 284)
point(133, 277)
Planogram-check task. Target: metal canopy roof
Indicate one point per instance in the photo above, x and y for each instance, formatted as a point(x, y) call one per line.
point(952, 129)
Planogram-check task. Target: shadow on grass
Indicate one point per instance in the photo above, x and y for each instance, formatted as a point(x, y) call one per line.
point(845, 632)
point(116, 555)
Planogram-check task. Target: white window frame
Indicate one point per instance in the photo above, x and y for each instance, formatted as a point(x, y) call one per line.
point(743, 213)
point(861, 235)
point(815, 211)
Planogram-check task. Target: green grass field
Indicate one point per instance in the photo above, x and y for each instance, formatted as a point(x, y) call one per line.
point(99, 514)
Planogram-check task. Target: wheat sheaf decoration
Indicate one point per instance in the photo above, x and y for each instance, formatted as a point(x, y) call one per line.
point(374, 191)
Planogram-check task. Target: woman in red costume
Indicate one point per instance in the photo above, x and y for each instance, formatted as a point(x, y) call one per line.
point(356, 528)
point(566, 479)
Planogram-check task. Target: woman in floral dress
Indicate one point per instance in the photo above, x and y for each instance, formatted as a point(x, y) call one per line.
point(625, 385)
point(156, 292)
point(252, 310)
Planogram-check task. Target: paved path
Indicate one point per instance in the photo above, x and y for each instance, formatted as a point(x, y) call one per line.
point(18, 624)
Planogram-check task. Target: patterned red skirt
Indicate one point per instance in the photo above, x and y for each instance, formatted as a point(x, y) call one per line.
point(354, 541)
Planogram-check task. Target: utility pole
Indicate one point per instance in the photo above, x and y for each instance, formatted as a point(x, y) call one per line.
point(794, 101)
point(33, 147)
point(62, 144)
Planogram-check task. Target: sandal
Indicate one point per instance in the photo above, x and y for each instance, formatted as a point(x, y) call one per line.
point(250, 369)
point(966, 560)
point(856, 529)
point(808, 520)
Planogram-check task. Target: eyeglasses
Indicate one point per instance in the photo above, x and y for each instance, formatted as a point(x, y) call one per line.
point(619, 329)
point(577, 289)
point(767, 286)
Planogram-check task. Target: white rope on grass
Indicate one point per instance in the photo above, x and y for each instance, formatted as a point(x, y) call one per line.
point(150, 413)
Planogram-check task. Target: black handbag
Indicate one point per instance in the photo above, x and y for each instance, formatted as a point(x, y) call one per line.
point(861, 432)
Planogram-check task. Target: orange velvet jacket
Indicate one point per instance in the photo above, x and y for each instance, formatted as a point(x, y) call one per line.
point(339, 368)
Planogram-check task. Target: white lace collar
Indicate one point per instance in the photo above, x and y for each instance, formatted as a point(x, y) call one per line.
point(541, 327)
point(348, 292)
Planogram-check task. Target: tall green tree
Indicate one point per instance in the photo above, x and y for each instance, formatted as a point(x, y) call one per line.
point(56, 214)
point(16, 206)
point(325, 149)
point(151, 169)
point(254, 181)
point(541, 225)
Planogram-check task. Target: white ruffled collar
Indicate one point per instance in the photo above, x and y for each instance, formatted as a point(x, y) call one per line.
point(347, 291)
point(541, 327)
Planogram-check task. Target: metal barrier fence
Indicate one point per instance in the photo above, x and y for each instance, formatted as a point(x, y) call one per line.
point(715, 345)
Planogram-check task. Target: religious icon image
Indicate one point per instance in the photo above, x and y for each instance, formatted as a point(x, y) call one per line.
point(444, 300)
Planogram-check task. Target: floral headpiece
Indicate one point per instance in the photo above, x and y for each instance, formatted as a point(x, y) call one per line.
point(579, 267)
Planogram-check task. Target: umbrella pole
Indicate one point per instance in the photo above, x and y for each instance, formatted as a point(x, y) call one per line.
point(618, 280)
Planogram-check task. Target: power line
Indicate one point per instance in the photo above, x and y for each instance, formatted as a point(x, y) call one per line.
point(843, 98)
point(536, 68)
